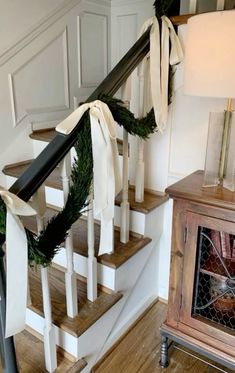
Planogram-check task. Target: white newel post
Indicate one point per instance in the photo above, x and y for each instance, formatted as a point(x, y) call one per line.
point(139, 179)
point(70, 275)
point(39, 202)
point(92, 261)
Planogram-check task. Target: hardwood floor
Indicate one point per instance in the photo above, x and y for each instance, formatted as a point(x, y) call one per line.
point(139, 350)
point(30, 356)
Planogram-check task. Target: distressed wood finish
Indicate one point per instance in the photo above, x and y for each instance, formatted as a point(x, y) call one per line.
point(89, 312)
point(190, 189)
point(196, 206)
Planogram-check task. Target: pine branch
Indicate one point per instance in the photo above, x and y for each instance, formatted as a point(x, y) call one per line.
point(143, 127)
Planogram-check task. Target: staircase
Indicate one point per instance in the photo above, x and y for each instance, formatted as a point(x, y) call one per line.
point(114, 285)
point(125, 278)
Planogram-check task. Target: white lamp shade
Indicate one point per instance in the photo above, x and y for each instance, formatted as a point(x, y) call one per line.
point(210, 55)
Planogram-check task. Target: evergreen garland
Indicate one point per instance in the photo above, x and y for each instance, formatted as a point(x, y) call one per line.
point(2, 221)
point(142, 127)
point(42, 248)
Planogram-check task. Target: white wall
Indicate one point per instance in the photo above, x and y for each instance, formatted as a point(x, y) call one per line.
point(17, 17)
point(51, 52)
point(181, 149)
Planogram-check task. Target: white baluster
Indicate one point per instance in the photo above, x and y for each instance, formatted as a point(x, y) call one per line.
point(125, 206)
point(220, 5)
point(139, 178)
point(39, 202)
point(49, 331)
point(70, 275)
point(91, 261)
point(192, 6)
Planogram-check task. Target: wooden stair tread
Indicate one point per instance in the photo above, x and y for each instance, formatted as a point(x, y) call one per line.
point(123, 252)
point(48, 134)
point(30, 356)
point(151, 200)
point(17, 169)
point(89, 312)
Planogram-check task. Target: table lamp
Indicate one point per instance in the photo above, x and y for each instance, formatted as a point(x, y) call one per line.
point(210, 72)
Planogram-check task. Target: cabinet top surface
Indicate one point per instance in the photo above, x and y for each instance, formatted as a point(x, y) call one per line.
point(190, 188)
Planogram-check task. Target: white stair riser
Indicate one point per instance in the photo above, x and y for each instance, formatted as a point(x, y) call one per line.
point(63, 339)
point(39, 146)
point(106, 275)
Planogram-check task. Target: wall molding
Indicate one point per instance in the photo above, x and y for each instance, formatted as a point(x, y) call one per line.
point(31, 111)
point(37, 29)
point(81, 82)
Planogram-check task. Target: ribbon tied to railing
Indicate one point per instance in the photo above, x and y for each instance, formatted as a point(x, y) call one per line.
point(16, 262)
point(107, 182)
point(160, 57)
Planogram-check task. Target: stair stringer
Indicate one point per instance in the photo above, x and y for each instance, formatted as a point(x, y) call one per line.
point(91, 343)
point(143, 294)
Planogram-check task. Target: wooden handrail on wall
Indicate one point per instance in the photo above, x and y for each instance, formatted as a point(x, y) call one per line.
point(48, 159)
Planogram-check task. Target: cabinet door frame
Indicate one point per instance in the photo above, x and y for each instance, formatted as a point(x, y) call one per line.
point(193, 222)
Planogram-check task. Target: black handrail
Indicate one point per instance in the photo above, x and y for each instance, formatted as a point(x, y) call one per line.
point(48, 159)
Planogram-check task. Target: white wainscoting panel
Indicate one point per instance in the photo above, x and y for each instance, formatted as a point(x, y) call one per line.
point(41, 83)
point(39, 68)
point(92, 49)
point(127, 26)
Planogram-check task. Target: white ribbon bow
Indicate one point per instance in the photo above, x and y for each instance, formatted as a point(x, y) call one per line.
point(107, 182)
point(159, 64)
point(16, 262)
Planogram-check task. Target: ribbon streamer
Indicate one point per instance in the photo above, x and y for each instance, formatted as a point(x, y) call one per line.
point(160, 57)
point(107, 181)
point(16, 262)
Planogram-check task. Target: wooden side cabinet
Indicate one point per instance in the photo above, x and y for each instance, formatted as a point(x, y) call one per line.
point(201, 308)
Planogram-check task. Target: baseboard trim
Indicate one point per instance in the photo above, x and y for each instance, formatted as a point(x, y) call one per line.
point(163, 300)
